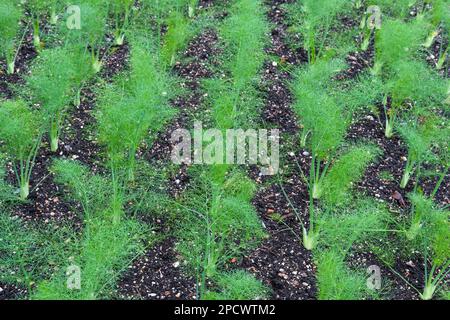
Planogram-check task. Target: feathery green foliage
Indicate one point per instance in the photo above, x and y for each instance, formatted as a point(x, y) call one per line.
point(229, 224)
point(121, 10)
point(93, 192)
point(20, 138)
point(335, 281)
point(238, 285)
point(219, 224)
point(398, 41)
point(105, 249)
point(108, 243)
point(92, 30)
point(39, 10)
point(170, 26)
point(393, 8)
point(244, 32)
point(347, 170)
point(322, 118)
point(440, 19)
point(10, 14)
point(6, 190)
point(440, 263)
point(163, 7)
point(441, 14)
point(192, 5)
point(324, 124)
point(342, 228)
point(214, 221)
point(30, 253)
point(397, 44)
point(102, 196)
point(175, 38)
point(413, 82)
point(340, 231)
point(422, 210)
point(360, 94)
point(54, 77)
point(235, 100)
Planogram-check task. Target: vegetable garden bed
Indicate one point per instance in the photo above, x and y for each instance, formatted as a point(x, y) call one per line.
point(351, 205)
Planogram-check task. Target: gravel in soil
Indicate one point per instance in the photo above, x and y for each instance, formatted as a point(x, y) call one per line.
point(157, 275)
point(392, 286)
point(281, 261)
point(358, 62)
point(277, 110)
point(196, 66)
point(198, 54)
point(11, 292)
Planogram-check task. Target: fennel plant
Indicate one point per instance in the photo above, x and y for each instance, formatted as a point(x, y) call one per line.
point(54, 78)
point(20, 134)
point(10, 15)
point(121, 9)
point(420, 138)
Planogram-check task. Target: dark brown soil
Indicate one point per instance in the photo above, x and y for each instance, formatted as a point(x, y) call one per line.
point(198, 58)
point(392, 286)
point(283, 250)
point(358, 61)
point(392, 159)
point(278, 98)
point(281, 261)
point(78, 141)
point(375, 184)
point(279, 44)
point(157, 275)
point(277, 110)
point(11, 292)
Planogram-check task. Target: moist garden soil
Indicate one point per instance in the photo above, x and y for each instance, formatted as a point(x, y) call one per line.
point(280, 261)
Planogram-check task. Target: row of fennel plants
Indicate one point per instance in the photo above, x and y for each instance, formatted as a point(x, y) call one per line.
point(220, 223)
point(130, 109)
